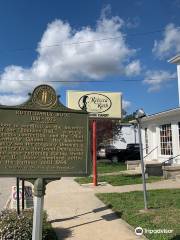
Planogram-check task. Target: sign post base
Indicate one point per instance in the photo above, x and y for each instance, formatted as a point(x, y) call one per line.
point(37, 218)
point(39, 192)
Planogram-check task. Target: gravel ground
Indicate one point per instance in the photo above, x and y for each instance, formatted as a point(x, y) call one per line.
point(5, 189)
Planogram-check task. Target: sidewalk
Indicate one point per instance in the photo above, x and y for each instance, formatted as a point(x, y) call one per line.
point(107, 188)
point(77, 214)
point(124, 172)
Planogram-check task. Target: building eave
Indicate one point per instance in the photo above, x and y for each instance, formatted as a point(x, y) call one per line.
point(160, 115)
point(175, 59)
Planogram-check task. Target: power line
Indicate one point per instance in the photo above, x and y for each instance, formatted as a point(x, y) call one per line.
point(85, 81)
point(90, 41)
point(102, 39)
point(63, 81)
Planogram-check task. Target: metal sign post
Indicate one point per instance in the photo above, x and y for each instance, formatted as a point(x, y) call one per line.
point(94, 154)
point(139, 114)
point(39, 192)
point(23, 193)
point(17, 196)
point(142, 165)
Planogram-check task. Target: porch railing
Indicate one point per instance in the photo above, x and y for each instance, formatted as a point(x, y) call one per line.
point(150, 151)
point(169, 161)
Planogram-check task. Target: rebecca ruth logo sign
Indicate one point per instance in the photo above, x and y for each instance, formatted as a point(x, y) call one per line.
point(97, 104)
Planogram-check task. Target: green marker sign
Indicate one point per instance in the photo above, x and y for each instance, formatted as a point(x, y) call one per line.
point(43, 139)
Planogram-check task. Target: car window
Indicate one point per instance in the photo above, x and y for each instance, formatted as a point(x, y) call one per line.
point(112, 147)
point(137, 146)
point(132, 146)
point(100, 147)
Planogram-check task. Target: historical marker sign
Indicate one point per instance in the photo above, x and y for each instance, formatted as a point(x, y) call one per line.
point(43, 138)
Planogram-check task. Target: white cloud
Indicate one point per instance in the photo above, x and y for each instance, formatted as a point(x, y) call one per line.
point(12, 100)
point(133, 22)
point(170, 44)
point(158, 79)
point(61, 58)
point(126, 104)
point(133, 68)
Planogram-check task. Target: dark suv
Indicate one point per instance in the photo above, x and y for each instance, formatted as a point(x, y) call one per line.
point(130, 153)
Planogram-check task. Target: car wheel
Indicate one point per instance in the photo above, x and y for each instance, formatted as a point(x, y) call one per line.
point(114, 159)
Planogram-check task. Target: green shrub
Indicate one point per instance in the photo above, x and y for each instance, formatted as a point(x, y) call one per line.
point(19, 227)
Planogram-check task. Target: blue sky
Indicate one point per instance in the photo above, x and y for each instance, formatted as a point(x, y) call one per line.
point(124, 44)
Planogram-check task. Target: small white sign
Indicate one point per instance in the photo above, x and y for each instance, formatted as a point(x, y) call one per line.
point(28, 197)
point(98, 104)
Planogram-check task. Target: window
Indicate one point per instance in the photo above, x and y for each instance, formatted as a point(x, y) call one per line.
point(146, 140)
point(166, 139)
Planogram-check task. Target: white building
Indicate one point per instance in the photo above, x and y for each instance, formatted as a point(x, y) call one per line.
point(161, 131)
point(161, 136)
point(128, 134)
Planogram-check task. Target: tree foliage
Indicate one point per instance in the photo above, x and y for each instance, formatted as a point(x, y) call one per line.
point(109, 130)
point(128, 118)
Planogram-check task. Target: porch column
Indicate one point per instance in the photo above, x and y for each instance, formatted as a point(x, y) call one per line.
point(175, 142)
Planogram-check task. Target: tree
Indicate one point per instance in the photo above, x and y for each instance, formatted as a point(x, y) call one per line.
point(128, 118)
point(107, 130)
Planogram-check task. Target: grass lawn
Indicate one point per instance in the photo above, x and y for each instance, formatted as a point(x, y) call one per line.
point(108, 167)
point(164, 211)
point(118, 180)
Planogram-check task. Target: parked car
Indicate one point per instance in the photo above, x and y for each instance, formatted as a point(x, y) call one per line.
point(103, 151)
point(131, 152)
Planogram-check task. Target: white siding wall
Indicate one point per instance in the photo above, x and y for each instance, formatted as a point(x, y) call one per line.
point(152, 144)
point(178, 73)
point(128, 135)
point(153, 127)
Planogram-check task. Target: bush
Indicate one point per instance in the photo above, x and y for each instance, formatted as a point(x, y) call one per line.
point(19, 227)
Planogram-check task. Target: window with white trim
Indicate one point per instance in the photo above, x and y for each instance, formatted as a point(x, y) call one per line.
point(146, 140)
point(166, 139)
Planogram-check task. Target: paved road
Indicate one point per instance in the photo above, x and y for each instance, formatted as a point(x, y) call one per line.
point(5, 189)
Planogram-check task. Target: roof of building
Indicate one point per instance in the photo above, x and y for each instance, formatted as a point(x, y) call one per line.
point(163, 114)
point(175, 59)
